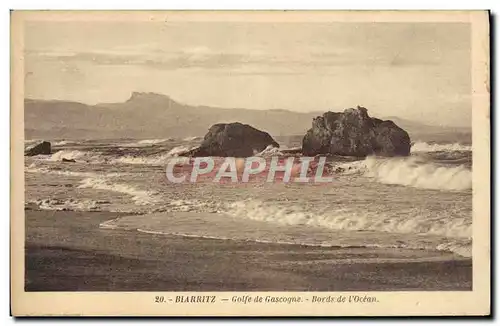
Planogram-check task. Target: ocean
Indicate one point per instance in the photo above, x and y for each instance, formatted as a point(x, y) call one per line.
point(422, 202)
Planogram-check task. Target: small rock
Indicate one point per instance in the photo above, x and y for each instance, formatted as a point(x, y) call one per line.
point(41, 148)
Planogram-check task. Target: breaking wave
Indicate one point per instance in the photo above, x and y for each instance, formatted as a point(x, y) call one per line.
point(193, 138)
point(68, 204)
point(453, 232)
point(426, 147)
point(413, 172)
point(94, 181)
point(140, 197)
point(275, 151)
point(146, 160)
point(462, 248)
point(78, 156)
point(154, 159)
point(34, 169)
point(264, 221)
point(179, 150)
point(353, 220)
point(100, 158)
point(64, 142)
point(28, 142)
point(153, 141)
point(147, 142)
point(270, 151)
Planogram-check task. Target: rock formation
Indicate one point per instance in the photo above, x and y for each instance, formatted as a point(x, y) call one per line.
point(233, 139)
point(40, 148)
point(354, 133)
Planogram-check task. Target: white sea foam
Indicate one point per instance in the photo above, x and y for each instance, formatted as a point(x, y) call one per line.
point(78, 156)
point(192, 138)
point(463, 249)
point(270, 150)
point(426, 147)
point(459, 247)
point(43, 170)
point(446, 233)
point(28, 142)
point(32, 168)
point(179, 150)
point(74, 155)
point(353, 220)
point(146, 160)
point(140, 197)
point(68, 204)
point(97, 157)
point(189, 205)
point(154, 159)
point(240, 227)
point(64, 142)
point(109, 224)
point(412, 172)
point(152, 141)
point(147, 142)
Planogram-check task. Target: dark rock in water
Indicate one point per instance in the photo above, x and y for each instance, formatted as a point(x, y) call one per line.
point(233, 139)
point(340, 169)
point(41, 148)
point(354, 133)
point(68, 160)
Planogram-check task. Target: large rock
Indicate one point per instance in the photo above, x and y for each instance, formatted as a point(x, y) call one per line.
point(41, 148)
point(354, 133)
point(233, 139)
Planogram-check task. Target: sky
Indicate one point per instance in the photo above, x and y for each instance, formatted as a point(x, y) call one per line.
point(418, 71)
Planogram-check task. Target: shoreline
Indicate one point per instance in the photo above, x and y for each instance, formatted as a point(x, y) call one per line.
point(67, 251)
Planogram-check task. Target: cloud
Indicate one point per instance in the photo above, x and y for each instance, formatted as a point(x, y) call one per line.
point(203, 57)
point(189, 58)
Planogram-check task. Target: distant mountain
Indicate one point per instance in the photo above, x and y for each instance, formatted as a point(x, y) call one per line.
point(150, 115)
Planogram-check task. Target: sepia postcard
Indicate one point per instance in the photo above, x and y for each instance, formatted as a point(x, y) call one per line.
point(250, 163)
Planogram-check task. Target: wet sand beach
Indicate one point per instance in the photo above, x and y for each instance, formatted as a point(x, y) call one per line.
point(67, 251)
